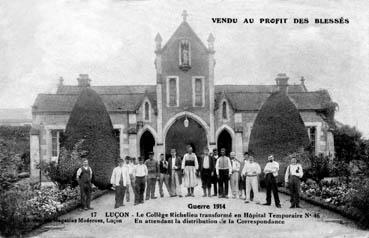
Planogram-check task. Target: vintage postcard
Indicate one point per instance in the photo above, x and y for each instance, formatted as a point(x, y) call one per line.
point(154, 118)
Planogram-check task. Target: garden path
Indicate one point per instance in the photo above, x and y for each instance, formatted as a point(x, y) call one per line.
point(325, 226)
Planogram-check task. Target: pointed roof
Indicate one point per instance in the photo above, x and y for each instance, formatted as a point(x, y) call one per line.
point(184, 29)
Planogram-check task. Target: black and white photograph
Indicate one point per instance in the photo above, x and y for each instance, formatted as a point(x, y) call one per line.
point(168, 118)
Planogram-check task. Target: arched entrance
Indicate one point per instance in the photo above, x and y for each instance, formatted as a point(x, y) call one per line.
point(178, 136)
point(224, 141)
point(147, 143)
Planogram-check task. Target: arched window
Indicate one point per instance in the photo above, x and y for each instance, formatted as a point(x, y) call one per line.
point(172, 92)
point(198, 92)
point(147, 111)
point(224, 111)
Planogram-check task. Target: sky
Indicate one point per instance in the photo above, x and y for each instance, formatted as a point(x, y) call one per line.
point(113, 42)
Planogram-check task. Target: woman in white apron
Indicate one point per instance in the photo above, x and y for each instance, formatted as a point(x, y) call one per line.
point(190, 165)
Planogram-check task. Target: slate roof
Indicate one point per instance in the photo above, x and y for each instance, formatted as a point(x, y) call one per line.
point(113, 102)
point(129, 98)
point(253, 101)
point(114, 89)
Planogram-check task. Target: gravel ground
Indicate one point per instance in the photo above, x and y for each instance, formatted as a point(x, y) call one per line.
point(322, 223)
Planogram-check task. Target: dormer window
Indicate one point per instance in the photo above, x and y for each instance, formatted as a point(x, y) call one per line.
point(224, 110)
point(172, 91)
point(198, 91)
point(147, 110)
point(184, 54)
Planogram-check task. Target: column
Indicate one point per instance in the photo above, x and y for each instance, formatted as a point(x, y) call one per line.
point(34, 152)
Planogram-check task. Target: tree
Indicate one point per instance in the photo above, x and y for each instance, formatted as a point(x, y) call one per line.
point(90, 123)
point(279, 130)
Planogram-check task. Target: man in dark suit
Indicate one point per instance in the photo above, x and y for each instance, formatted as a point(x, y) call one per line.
point(214, 178)
point(206, 167)
point(175, 173)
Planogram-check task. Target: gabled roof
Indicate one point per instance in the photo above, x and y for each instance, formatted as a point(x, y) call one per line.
point(130, 98)
point(183, 29)
point(113, 102)
point(253, 101)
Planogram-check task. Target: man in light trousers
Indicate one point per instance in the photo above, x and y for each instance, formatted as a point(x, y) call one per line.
point(235, 174)
point(252, 171)
point(175, 173)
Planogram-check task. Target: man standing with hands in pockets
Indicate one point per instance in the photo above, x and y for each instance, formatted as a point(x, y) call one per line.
point(271, 173)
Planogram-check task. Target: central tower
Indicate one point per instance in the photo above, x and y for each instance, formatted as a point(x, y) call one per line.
point(185, 79)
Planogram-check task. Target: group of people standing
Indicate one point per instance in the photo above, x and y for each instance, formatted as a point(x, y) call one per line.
point(217, 171)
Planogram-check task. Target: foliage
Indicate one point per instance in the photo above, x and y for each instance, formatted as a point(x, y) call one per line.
point(25, 206)
point(64, 173)
point(90, 121)
point(319, 168)
point(360, 198)
point(9, 162)
point(335, 193)
point(278, 129)
point(17, 140)
point(349, 144)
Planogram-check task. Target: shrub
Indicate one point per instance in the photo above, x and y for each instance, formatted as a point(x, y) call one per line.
point(26, 206)
point(89, 121)
point(278, 129)
point(64, 174)
point(9, 162)
point(17, 140)
point(319, 168)
point(360, 198)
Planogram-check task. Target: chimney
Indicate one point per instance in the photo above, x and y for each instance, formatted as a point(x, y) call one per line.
point(282, 82)
point(83, 80)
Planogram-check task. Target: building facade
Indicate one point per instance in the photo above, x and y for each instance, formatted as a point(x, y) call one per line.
point(184, 106)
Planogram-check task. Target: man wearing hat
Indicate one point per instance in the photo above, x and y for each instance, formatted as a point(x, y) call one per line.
point(120, 180)
point(153, 175)
point(140, 174)
point(271, 173)
point(84, 177)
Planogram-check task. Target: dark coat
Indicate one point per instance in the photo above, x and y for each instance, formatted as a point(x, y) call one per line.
point(211, 163)
point(178, 163)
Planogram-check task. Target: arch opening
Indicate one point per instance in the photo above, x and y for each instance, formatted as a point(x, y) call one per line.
point(147, 143)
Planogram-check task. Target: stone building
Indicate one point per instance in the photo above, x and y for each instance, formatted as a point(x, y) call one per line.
point(183, 106)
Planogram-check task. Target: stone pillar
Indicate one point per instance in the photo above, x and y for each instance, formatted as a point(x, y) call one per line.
point(159, 94)
point(211, 59)
point(34, 152)
point(132, 143)
point(238, 144)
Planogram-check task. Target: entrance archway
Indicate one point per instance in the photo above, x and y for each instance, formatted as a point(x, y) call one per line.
point(147, 143)
point(225, 141)
point(178, 136)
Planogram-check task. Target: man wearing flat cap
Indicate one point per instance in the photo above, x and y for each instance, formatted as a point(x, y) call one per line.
point(120, 180)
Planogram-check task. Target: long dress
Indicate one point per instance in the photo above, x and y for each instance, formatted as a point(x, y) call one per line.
point(190, 165)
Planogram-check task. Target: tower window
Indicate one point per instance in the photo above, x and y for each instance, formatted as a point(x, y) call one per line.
point(147, 111)
point(224, 111)
point(172, 92)
point(198, 91)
